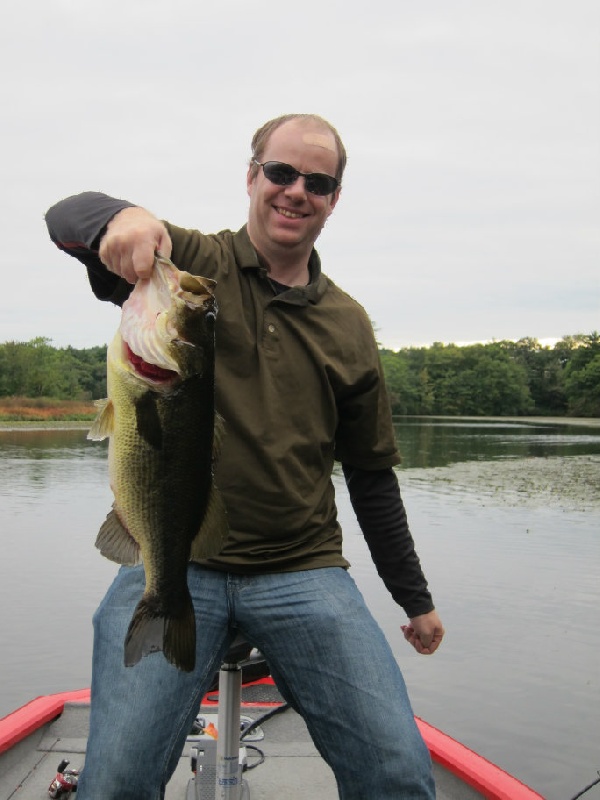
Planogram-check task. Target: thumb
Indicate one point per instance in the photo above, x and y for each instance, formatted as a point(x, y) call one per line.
point(143, 254)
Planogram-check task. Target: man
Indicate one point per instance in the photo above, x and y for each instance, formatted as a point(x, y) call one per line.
point(299, 384)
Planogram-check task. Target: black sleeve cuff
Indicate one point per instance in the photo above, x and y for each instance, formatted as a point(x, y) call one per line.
point(76, 225)
point(375, 497)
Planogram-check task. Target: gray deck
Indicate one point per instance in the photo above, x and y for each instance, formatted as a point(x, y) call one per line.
point(292, 768)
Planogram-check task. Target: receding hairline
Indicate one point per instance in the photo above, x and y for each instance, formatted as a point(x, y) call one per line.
point(263, 135)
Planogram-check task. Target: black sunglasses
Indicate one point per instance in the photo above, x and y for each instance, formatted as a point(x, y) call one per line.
point(285, 175)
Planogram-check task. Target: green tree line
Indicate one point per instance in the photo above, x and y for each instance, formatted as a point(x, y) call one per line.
point(37, 369)
point(496, 379)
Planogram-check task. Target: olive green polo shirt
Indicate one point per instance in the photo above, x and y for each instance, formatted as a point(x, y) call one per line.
point(299, 384)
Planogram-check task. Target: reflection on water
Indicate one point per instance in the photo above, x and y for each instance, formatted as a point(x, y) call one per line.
point(517, 587)
point(437, 442)
point(39, 443)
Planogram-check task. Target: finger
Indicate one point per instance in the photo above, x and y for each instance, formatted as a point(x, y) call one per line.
point(412, 638)
point(122, 265)
point(142, 260)
point(105, 255)
point(116, 259)
point(433, 645)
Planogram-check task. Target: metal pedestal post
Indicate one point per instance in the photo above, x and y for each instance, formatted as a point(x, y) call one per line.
point(229, 784)
point(218, 765)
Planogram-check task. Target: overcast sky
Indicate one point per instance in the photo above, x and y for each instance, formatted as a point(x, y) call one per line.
point(471, 203)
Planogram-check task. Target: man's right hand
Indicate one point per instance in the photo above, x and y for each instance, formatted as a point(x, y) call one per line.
point(132, 237)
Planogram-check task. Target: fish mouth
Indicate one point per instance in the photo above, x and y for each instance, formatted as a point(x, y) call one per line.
point(148, 371)
point(158, 324)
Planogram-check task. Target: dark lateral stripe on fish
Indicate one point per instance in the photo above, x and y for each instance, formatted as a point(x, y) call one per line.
point(149, 425)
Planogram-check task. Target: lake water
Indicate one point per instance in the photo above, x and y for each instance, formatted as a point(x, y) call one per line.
point(506, 516)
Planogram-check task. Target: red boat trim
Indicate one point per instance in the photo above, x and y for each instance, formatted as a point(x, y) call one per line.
point(212, 698)
point(475, 770)
point(25, 720)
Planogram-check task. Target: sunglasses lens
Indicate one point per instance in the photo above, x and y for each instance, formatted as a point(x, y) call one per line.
point(285, 175)
point(280, 174)
point(320, 184)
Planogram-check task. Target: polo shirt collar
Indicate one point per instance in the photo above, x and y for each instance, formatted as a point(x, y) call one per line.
point(247, 258)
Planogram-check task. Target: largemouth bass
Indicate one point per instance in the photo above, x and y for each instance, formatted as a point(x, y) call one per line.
point(160, 418)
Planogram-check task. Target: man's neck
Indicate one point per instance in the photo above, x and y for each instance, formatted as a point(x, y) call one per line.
point(289, 275)
point(288, 267)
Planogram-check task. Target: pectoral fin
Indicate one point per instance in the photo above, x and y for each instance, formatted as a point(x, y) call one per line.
point(116, 543)
point(104, 424)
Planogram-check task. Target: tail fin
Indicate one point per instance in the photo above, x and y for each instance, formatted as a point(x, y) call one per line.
point(153, 628)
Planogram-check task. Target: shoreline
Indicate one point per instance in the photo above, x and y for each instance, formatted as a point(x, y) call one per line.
point(592, 422)
point(45, 425)
point(85, 424)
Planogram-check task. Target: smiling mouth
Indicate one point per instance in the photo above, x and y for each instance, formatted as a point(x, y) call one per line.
point(285, 212)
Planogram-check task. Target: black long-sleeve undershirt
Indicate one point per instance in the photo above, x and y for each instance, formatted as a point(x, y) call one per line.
point(379, 509)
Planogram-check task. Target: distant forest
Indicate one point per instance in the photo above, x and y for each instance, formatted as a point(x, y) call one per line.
point(496, 379)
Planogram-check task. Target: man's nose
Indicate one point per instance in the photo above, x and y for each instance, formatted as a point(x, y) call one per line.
point(297, 188)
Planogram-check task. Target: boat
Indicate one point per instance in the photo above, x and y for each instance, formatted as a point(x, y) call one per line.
point(42, 748)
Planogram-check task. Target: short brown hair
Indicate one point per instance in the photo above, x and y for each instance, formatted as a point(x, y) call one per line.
point(262, 135)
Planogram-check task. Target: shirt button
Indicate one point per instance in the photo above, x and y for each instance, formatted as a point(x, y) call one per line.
point(271, 328)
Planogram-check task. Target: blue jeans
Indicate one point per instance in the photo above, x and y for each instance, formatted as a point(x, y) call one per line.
point(327, 654)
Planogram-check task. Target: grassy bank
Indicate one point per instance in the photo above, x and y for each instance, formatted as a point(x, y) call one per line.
point(44, 410)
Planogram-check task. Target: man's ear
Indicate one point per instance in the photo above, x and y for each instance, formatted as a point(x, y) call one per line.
point(250, 178)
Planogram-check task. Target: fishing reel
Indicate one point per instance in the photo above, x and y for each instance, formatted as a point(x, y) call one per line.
point(65, 781)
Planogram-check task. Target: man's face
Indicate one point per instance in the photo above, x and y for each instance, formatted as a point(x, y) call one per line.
point(289, 217)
